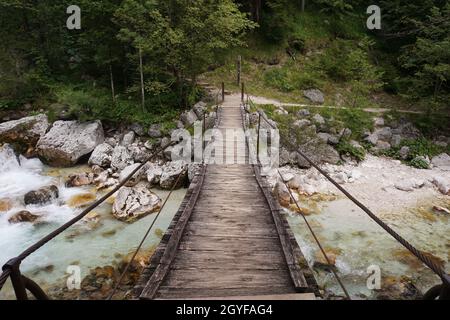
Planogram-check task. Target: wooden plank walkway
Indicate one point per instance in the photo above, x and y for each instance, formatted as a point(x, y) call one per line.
point(227, 239)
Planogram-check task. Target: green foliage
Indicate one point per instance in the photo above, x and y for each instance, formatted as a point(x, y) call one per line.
point(421, 147)
point(345, 148)
point(419, 163)
point(428, 60)
point(349, 61)
point(89, 104)
point(279, 79)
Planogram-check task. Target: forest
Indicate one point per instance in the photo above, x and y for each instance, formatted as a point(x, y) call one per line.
point(96, 70)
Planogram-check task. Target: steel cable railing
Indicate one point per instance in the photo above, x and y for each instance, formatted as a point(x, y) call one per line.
point(443, 289)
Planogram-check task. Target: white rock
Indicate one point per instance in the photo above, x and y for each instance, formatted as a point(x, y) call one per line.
point(170, 174)
point(442, 184)
point(128, 138)
point(68, 141)
point(341, 178)
point(134, 203)
point(101, 156)
point(442, 161)
point(121, 158)
point(137, 177)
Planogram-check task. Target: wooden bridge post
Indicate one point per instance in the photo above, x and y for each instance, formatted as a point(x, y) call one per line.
point(239, 69)
point(257, 141)
point(242, 91)
point(223, 91)
point(203, 137)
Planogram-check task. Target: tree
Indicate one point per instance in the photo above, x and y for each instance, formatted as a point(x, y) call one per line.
point(180, 38)
point(428, 59)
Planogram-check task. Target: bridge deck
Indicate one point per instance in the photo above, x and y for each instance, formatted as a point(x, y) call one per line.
point(229, 242)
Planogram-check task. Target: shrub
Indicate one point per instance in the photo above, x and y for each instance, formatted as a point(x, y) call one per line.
point(345, 148)
point(279, 78)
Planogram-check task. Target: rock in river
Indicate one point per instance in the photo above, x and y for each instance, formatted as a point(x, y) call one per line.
point(101, 156)
point(170, 174)
point(134, 203)
point(24, 133)
point(68, 141)
point(42, 196)
point(22, 216)
point(121, 158)
point(78, 180)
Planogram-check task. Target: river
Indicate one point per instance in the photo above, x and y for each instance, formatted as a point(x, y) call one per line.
point(101, 242)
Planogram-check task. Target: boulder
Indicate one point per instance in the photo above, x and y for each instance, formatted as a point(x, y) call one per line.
point(170, 174)
point(324, 136)
point(345, 133)
point(282, 194)
point(441, 161)
point(42, 196)
point(287, 157)
point(303, 113)
point(301, 123)
point(68, 141)
point(5, 204)
point(188, 118)
point(139, 154)
point(81, 179)
point(382, 146)
point(111, 141)
point(137, 128)
point(155, 131)
point(199, 109)
point(318, 119)
point(372, 139)
point(24, 133)
point(384, 133)
point(154, 173)
point(404, 152)
point(396, 140)
point(398, 289)
point(134, 203)
point(405, 185)
point(442, 184)
point(121, 158)
point(341, 178)
point(101, 156)
point(319, 153)
point(314, 95)
point(137, 177)
point(128, 138)
point(378, 122)
point(23, 216)
point(296, 182)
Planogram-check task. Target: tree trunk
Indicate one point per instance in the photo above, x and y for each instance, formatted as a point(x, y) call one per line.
point(142, 79)
point(112, 84)
point(303, 5)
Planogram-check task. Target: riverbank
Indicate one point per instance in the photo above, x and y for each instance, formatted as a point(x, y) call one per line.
point(406, 198)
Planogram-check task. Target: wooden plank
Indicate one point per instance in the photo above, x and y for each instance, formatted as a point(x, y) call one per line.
point(200, 229)
point(269, 297)
point(215, 243)
point(223, 260)
point(225, 279)
point(168, 292)
point(172, 245)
